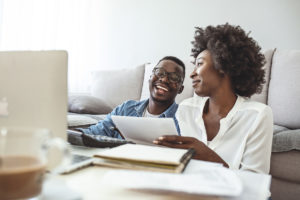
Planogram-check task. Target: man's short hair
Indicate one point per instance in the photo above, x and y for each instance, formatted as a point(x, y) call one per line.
point(176, 60)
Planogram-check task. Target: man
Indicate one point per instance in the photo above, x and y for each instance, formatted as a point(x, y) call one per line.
point(165, 83)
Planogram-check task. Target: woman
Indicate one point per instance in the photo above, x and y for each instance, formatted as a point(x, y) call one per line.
point(221, 123)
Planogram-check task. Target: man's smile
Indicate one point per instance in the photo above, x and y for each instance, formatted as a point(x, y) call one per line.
point(161, 89)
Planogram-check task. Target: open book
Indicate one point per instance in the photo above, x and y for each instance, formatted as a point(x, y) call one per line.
point(143, 157)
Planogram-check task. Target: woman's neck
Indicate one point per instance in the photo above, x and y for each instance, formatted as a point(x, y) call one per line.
point(220, 104)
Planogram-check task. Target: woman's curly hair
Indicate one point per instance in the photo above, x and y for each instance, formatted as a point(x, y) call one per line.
point(234, 53)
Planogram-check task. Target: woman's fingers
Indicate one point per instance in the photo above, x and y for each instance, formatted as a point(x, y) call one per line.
point(176, 139)
point(172, 144)
point(169, 138)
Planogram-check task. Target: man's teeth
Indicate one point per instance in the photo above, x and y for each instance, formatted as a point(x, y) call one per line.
point(165, 89)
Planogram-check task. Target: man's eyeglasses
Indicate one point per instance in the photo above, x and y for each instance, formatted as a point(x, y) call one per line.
point(173, 77)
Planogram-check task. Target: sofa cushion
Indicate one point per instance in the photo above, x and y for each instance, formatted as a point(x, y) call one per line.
point(118, 85)
point(262, 97)
point(286, 165)
point(286, 140)
point(87, 105)
point(75, 121)
point(187, 91)
point(284, 89)
point(284, 190)
point(83, 120)
point(145, 89)
point(277, 129)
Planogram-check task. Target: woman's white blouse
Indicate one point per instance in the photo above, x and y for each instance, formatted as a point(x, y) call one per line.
point(244, 140)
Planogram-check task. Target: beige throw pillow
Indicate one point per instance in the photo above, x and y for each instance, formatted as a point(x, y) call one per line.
point(262, 97)
point(119, 85)
point(284, 90)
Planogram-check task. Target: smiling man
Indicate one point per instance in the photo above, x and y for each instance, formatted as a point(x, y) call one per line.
point(166, 81)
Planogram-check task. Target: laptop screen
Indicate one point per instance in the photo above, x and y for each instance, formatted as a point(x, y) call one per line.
point(33, 90)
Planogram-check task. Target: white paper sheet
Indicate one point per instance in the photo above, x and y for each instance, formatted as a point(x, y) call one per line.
point(55, 188)
point(210, 181)
point(143, 130)
point(255, 186)
point(205, 178)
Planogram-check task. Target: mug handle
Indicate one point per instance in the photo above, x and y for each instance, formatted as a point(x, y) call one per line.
point(58, 155)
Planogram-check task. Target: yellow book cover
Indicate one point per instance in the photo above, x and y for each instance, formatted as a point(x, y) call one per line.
point(144, 157)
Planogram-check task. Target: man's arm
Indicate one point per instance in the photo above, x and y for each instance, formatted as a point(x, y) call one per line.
point(106, 127)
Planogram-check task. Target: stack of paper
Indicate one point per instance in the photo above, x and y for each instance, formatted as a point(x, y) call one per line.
point(143, 157)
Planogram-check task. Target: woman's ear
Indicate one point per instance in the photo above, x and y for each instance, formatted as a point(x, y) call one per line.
point(222, 73)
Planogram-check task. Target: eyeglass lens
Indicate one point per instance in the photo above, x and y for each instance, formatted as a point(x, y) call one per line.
point(172, 76)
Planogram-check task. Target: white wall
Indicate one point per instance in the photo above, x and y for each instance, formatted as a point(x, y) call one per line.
point(136, 31)
point(126, 33)
point(1, 6)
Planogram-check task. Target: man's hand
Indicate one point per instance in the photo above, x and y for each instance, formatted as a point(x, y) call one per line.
point(202, 152)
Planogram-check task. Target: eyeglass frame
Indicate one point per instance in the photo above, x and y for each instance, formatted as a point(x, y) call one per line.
point(168, 74)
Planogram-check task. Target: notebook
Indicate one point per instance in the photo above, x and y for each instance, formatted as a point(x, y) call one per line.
point(145, 157)
point(33, 90)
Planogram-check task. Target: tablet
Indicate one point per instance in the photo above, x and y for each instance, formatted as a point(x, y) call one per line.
point(143, 130)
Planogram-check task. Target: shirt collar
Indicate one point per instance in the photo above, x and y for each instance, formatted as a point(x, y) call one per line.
point(225, 122)
point(231, 113)
point(141, 107)
point(170, 112)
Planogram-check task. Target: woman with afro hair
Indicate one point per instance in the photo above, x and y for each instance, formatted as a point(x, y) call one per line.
point(220, 122)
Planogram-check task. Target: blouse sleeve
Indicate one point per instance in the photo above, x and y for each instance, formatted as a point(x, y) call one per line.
point(257, 154)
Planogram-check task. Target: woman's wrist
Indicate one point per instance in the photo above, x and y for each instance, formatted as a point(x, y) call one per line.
point(209, 155)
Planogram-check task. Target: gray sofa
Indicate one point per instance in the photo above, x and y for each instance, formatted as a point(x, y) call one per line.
point(109, 88)
point(283, 96)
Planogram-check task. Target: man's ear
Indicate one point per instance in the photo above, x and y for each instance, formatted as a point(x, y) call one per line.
point(180, 89)
point(149, 79)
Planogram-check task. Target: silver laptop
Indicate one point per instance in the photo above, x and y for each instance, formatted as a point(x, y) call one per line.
point(33, 90)
point(33, 93)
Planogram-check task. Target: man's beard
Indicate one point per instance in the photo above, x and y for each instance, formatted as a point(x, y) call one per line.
point(160, 101)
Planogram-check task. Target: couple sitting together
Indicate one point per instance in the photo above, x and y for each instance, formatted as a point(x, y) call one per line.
point(220, 122)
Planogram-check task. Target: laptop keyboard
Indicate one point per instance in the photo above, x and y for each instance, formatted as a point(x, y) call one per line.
point(102, 141)
point(79, 158)
point(77, 162)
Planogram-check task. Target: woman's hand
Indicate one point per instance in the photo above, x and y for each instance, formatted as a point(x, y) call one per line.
point(202, 152)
